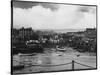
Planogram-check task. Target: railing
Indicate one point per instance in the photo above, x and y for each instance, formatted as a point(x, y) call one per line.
point(83, 64)
point(48, 65)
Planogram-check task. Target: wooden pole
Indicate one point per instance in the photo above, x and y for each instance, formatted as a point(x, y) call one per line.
point(72, 64)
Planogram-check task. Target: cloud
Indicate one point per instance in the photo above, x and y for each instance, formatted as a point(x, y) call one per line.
point(24, 5)
point(42, 17)
point(27, 5)
point(87, 9)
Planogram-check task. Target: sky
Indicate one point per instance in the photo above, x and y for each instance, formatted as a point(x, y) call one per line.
point(53, 16)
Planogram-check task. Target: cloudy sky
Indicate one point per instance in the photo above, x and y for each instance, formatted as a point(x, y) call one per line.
point(53, 16)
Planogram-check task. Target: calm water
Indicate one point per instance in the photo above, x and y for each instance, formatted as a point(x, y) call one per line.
point(57, 58)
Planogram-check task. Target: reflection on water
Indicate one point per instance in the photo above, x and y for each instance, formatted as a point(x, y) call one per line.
point(44, 62)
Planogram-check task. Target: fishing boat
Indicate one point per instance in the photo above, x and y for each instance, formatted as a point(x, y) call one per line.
point(60, 48)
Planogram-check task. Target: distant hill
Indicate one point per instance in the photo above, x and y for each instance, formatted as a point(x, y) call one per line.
point(62, 30)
